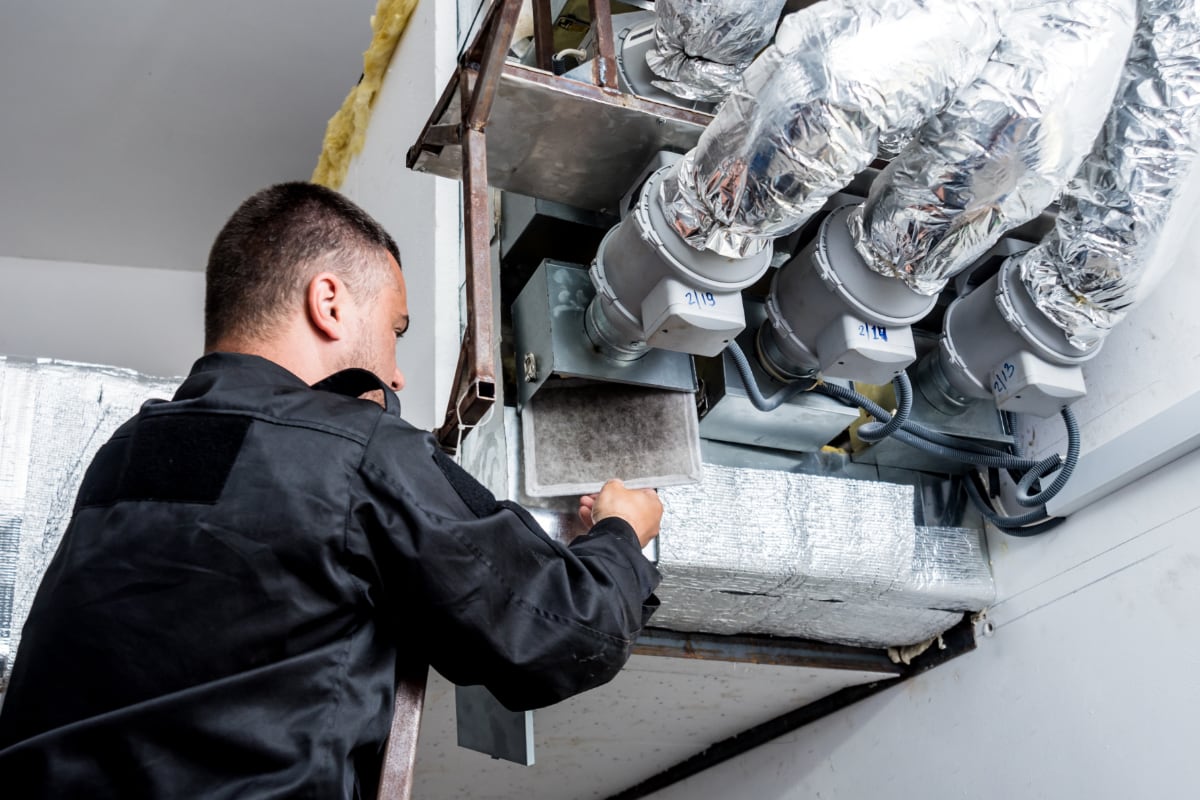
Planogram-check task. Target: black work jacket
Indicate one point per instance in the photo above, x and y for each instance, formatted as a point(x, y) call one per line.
point(248, 568)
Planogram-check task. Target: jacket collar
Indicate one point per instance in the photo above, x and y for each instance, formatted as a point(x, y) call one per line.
point(243, 370)
point(234, 371)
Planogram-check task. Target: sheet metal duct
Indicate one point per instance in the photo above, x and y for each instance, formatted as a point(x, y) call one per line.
point(998, 155)
point(701, 47)
point(809, 113)
point(56, 415)
point(1091, 269)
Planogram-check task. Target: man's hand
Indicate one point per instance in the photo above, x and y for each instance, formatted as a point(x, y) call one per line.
point(641, 508)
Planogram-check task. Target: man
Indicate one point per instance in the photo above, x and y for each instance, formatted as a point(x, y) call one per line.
point(250, 565)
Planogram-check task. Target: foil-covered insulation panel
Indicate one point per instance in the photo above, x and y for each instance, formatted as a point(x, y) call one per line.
point(1003, 149)
point(54, 416)
point(809, 114)
point(1088, 272)
point(833, 559)
point(701, 47)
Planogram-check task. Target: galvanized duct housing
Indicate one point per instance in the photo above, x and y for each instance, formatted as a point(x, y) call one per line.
point(809, 113)
point(998, 155)
point(56, 416)
point(1089, 271)
point(701, 47)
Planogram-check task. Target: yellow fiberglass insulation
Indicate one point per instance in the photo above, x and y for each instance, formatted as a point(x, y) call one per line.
point(347, 129)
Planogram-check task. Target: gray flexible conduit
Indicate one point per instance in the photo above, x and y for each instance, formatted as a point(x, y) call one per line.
point(752, 391)
point(922, 438)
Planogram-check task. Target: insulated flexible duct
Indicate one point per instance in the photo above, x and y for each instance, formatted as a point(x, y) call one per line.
point(808, 114)
point(701, 47)
point(997, 156)
point(1087, 273)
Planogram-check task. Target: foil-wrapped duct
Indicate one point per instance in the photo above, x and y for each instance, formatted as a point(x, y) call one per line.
point(701, 47)
point(54, 416)
point(809, 113)
point(781, 553)
point(998, 155)
point(821, 557)
point(1089, 271)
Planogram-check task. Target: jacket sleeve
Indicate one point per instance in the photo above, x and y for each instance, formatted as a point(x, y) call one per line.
point(486, 594)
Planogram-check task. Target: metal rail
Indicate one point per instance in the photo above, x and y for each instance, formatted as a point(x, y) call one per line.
point(776, 651)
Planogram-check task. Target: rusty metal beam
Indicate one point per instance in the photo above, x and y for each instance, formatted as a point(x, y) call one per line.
point(473, 391)
point(604, 66)
point(777, 651)
point(442, 135)
point(477, 106)
point(478, 221)
point(543, 34)
point(424, 143)
point(475, 52)
point(474, 388)
point(400, 753)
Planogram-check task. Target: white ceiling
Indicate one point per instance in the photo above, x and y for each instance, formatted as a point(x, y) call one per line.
point(131, 129)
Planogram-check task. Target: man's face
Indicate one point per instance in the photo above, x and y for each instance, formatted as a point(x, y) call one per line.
point(383, 320)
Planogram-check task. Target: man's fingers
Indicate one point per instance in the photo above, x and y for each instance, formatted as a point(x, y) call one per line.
point(641, 508)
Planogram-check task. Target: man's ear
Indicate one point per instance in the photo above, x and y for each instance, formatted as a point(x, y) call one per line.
point(326, 303)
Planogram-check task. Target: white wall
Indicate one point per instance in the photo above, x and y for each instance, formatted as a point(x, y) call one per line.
point(150, 320)
point(420, 211)
point(1088, 688)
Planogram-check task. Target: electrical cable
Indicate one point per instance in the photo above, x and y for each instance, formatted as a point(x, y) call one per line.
point(1068, 467)
point(1025, 471)
point(1030, 523)
point(934, 443)
point(872, 432)
point(754, 393)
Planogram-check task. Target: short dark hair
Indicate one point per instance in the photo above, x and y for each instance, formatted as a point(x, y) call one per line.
point(274, 244)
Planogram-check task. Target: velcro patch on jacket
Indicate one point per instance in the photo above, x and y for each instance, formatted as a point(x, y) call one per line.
point(474, 494)
point(184, 458)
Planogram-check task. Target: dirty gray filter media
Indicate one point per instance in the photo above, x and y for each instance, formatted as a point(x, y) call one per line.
point(584, 436)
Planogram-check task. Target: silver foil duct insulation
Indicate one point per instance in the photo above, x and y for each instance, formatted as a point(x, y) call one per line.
point(833, 559)
point(1000, 153)
point(701, 47)
point(1090, 270)
point(54, 416)
point(810, 112)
